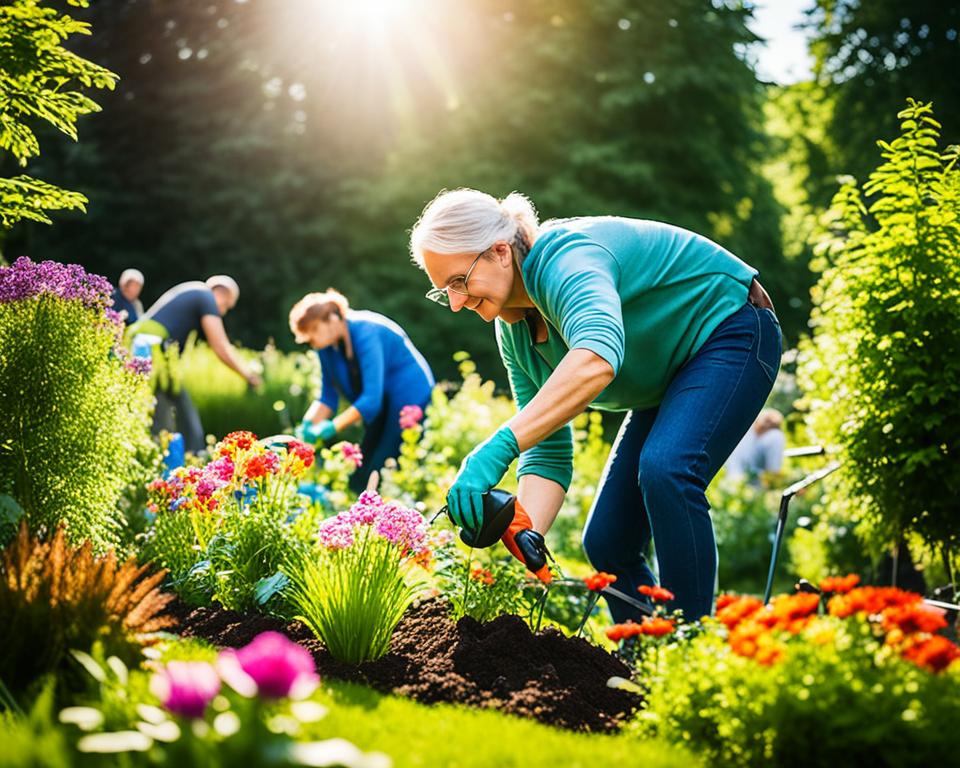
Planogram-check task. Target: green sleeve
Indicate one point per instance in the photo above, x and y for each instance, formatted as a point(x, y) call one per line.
point(552, 457)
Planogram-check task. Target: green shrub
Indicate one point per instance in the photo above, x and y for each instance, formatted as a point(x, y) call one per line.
point(881, 375)
point(72, 413)
point(54, 597)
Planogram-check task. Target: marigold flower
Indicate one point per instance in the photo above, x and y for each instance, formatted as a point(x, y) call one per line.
point(791, 612)
point(870, 600)
point(768, 655)
point(913, 618)
point(726, 599)
point(839, 584)
point(657, 627)
point(623, 631)
point(936, 653)
point(735, 612)
point(657, 594)
point(598, 581)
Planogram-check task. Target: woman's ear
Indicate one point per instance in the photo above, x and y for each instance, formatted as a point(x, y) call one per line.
point(503, 253)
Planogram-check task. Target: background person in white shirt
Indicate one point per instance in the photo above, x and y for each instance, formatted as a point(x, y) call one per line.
point(760, 450)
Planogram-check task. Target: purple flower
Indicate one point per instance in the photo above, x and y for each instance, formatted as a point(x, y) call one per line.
point(272, 665)
point(140, 365)
point(410, 416)
point(26, 278)
point(186, 687)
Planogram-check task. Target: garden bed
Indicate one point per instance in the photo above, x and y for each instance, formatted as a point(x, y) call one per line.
point(499, 665)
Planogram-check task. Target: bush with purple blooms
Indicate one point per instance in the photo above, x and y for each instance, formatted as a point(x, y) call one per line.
point(72, 412)
point(353, 591)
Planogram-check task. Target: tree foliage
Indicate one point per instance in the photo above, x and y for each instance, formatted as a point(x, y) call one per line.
point(882, 371)
point(40, 82)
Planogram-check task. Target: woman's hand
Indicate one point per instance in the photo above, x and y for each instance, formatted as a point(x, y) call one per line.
point(483, 468)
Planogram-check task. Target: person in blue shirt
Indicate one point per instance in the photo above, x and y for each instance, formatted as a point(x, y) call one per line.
point(126, 297)
point(186, 308)
point(624, 315)
point(367, 360)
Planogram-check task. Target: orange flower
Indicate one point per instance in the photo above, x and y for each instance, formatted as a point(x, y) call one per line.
point(913, 618)
point(793, 612)
point(726, 599)
point(598, 581)
point(235, 441)
point(657, 627)
point(744, 638)
point(620, 632)
point(870, 600)
point(736, 611)
point(935, 653)
point(839, 584)
point(769, 655)
point(483, 575)
point(657, 594)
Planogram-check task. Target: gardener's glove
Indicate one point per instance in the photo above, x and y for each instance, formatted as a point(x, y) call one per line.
point(480, 471)
point(322, 432)
point(521, 522)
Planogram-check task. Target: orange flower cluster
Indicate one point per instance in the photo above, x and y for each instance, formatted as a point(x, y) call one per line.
point(653, 626)
point(657, 594)
point(839, 584)
point(909, 625)
point(482, 575)
point(598, 581)
point(235, 441)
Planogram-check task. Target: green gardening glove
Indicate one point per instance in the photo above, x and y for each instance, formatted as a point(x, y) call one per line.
point(483, 468)
point(323, 432)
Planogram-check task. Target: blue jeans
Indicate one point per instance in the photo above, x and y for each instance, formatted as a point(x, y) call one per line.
point(655, 480)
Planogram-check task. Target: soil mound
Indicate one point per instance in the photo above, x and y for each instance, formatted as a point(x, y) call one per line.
point(501, 664)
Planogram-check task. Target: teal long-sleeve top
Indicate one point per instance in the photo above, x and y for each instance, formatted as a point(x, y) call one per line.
point(643, 295)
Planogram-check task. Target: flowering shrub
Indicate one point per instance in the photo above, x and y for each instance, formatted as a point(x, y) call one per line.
point(353, 592)
point(248, 707)
point(73, 409)
point(786, 682)
point(223, 528)
point(482, 590)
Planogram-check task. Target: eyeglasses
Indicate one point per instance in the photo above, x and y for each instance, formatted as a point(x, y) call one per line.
point(456, 284)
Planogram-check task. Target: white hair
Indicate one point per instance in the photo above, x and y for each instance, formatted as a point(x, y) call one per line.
point(131, 274)
point(467, 220)
point(226, 282)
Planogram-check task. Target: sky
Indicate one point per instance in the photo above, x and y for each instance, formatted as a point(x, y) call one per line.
point(784, 58)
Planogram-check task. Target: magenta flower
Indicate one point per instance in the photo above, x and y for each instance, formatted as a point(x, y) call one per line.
point(402, 527)
point(351, 452)
point(139, 365)
point(186, 687)
point(410, 416)
point(272, 665)
point(26, 278)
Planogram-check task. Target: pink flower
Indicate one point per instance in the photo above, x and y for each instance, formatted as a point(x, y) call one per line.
point(272, 665)
point(186, 687)
point(336, 532)
point(351, 452)
point(410, 416)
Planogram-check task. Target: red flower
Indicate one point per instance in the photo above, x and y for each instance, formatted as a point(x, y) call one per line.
point(839, 584)
point(935, 653)
point(657, 594)
point(657, 627)
point(302, 451)
point(913, 618)
point(242, 440)
point(260, 466)
point(482, 575)
point(598, 581)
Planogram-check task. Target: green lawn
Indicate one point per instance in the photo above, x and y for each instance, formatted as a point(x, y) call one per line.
point(415, 734)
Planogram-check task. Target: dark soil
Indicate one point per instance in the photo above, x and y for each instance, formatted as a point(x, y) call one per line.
point(499, 665)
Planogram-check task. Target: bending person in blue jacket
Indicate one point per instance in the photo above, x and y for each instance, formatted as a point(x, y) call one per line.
point(368, 360)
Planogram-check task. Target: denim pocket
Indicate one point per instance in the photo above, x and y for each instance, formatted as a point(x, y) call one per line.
point(769, 342)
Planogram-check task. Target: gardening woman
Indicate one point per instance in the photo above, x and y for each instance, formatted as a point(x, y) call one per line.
point(368, 360)
point(623, 315)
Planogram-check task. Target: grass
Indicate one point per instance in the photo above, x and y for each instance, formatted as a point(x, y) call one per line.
point(414, 734)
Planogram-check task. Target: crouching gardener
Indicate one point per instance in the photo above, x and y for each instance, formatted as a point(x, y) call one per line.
point(188, 307)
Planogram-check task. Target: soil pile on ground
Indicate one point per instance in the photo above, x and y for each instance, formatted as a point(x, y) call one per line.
point(501, 665)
